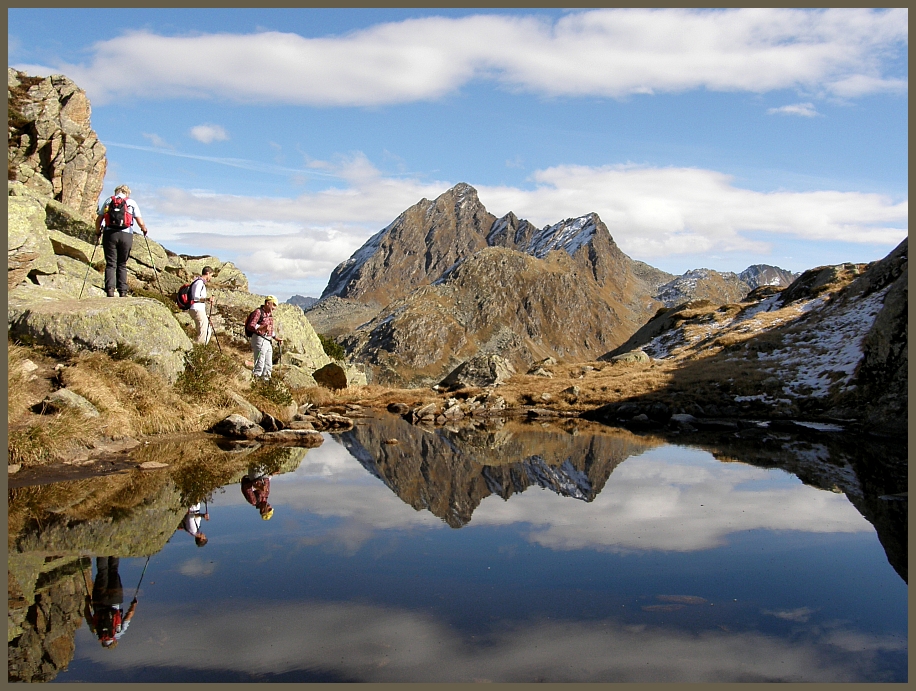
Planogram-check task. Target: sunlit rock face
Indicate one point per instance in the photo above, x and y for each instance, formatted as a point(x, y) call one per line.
point(52, 147)
point(46, 316)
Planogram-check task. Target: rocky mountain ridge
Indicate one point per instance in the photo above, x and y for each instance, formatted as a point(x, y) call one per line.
point(404, 305)
point(832, 343)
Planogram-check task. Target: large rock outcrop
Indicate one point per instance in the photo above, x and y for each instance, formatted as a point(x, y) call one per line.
point(50, 317)
point(52, 147)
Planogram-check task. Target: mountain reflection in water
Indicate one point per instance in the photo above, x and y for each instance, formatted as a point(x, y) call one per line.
point(671, 566)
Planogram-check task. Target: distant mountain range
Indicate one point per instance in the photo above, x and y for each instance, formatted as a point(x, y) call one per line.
point(447, 280)
point(302, 302)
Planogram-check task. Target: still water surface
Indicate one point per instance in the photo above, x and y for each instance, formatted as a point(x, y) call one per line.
point(632, 562)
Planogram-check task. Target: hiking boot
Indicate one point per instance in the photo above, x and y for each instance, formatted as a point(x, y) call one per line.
point(111, 293)
point(125, 295)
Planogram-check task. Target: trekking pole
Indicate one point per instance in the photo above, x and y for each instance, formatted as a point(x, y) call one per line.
point(153, 264)
point(279, 347)
point(141, 577)
point(91, 259)
point(213, 330)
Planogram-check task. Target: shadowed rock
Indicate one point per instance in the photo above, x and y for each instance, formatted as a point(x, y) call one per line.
point(331, 376)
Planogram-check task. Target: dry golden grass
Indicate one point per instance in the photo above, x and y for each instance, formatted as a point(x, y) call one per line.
point(22, 390)
point(132, 400)
point(374, 396)
point(48, 438)
point(315, 395)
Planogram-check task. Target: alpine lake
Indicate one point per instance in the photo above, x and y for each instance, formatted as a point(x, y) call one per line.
point(505, 551)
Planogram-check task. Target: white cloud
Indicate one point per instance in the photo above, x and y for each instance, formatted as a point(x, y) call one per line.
point(605, 52)
point(806, 110)
point(658, 212)
point(657, 502)
point(800, 614)
point(207, 134)
point(376, 643)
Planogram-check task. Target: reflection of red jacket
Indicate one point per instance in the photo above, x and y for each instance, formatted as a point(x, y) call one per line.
point(256, 491)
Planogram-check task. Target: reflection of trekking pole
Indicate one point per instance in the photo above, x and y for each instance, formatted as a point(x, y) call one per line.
point(212, 330)
point(141, 577)
point(95, 247)
point(84, 579)
point(206, 511)
point(153, 263)
point(86, 586)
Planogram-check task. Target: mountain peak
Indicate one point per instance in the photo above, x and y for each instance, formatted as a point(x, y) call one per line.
point(462, 189)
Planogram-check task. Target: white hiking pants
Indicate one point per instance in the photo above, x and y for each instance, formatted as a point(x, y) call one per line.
point(203, 325)
point(263, 351)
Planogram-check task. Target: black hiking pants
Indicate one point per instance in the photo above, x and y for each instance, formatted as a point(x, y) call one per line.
point(117, 245)
point(107, 589)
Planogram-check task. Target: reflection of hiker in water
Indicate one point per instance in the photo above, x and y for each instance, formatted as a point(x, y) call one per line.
point(103, 609)
point(256, 488)
point(191, 523)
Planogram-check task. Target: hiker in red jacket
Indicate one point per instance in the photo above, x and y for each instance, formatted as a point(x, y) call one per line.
point(256, 489)
point(260, 328)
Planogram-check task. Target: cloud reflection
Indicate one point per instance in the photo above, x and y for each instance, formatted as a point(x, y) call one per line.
point(666, 499)
point(385, 644)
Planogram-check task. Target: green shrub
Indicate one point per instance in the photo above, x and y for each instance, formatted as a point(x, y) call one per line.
point(274, 390)
point(332, 348)
point(206, 371)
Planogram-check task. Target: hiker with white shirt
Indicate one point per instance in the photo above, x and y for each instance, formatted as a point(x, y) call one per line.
point(199, 302)
point(114, 225)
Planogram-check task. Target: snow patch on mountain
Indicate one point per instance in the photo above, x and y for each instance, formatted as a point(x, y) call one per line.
point(814, 361)
point(568, 235)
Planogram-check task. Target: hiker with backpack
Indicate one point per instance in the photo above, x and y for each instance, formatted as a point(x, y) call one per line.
point(256, 490)
point(191, 524)
point(117, 215)
point(103, 609)
point(259, 327)
point(197, 296)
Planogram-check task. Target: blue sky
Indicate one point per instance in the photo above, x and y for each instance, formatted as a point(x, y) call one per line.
point(282, 139)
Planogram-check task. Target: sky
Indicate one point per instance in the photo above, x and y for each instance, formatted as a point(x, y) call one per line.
point(283, 139)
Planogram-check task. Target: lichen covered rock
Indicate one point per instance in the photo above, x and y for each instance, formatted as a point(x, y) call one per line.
point(50, 317)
